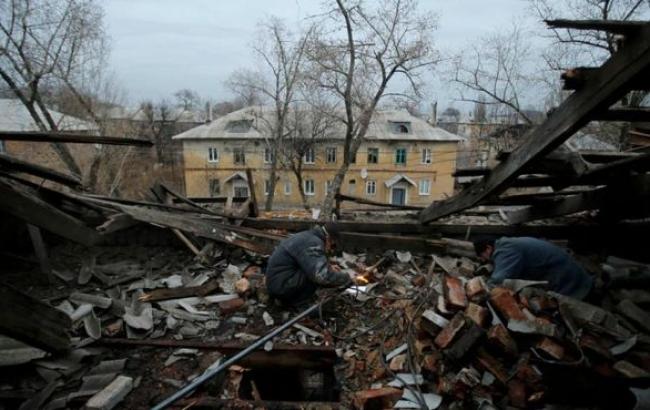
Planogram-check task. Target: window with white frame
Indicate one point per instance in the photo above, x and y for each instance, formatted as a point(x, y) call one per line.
point(400, 156)
point(425, 187)
point(328, 186)
point(213, 154)
point(310, 156)
point(309, 187)
point(267, 186)
point(426, 155)
point(240, 190)
point(268, 155)
point(371, 187)
point(330, 155)
point(238, 155)
point(287, 187)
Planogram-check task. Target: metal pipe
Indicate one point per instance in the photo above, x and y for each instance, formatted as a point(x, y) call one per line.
point(232, 360)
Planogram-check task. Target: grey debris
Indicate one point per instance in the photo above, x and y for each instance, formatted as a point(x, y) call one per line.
point(139, 318)
point(396, 351)
point(435, 318)
point(95, 300)
point(93, 325)
point(81, 312)
point(173, 281)
point(112, 395)
point(624, 346)
point(307, 331)
point(533, 327)
point(268, 319)
point(404, 257)
point(238, 320)
point(406, 379)
point(13, 352)
point(268, 346)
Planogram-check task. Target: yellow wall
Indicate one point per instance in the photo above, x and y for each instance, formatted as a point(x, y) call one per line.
point(198, 171)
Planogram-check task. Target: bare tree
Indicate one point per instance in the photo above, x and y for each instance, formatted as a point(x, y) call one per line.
point(495, 73)
point(281, 54)
point(187, 100)
point(157, 123)
point(48, 43)
point(355, 58)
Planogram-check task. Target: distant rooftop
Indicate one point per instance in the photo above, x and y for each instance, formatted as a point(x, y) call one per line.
point(15, 117)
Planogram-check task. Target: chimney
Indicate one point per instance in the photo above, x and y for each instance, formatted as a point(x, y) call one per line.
point(208, 109)
point(434, 113)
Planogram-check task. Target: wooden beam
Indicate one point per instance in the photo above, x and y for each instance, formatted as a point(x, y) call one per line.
point(40, 250)
point(26, 204)
point(624, 114)
point(38, 136)
point(358, 200)
point(576, 78)
point(607, 86)
point(557, 207)
point(532, 199)
point(624, 27)
point(13, 164)
point(360, 241)
point(33, 322)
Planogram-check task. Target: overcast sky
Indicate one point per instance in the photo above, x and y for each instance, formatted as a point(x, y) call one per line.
point(161, 46)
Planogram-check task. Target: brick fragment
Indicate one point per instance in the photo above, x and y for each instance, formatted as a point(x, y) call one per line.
point(499, 337)
point(447, 335)
point(627, 369)
point(492, 365)
point(478, 314)
point(465, 342)
point(430, 363)
point(231, 305)
point(242, 286)
point(382, 398)
point(454, 292)
point(551, 348)
point(517, 393)
point(503, 300)
point(476, 289)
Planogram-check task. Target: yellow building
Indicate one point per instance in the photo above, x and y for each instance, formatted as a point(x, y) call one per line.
point(403, 160)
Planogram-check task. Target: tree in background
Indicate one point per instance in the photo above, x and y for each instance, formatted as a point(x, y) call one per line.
point(354, 59)
point(50, 44)
point(281, 53)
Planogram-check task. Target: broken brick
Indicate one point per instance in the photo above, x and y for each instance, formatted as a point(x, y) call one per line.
point(499, 337)
point(505, 303)
point(551, 348)
point(242, 286)
point(517, 393)
point(476, 289)
point(382, 398)
point(454, 292)
point(430, 363)
point(536, 326)
point(397, 363)
point(232, 305)
point(492, 365)
point(478, 314)
point(465, 342)
point(592, 344)
point(447, 335)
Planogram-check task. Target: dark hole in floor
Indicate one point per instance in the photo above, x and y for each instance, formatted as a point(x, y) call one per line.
point(290, 384)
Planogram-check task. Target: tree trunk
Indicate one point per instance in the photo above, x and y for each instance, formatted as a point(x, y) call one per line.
point(268, 205)
point(328, 205)
point(298, 173)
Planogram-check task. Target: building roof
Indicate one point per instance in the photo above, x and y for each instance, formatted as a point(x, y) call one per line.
point(385, 125)
point(15, 117)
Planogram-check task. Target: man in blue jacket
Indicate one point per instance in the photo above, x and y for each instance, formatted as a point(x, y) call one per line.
point(534, 259)
point(299, 266)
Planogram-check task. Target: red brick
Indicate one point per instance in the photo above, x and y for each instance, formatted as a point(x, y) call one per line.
point(231, 305)
point(454, 292)
point(499, 336)
point(476, 289)
point(447, 335)
point(382, 398)
point(492, 365)
point(430, 363)
point(517, 393)
point(478, 314)
point(551, 348)
point(503, 300)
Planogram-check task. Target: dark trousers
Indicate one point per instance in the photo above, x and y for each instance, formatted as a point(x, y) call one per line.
point(291, 288)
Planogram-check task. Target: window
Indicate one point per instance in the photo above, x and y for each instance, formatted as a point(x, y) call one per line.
point(309, 187)
point(425, 187)
point(215, 187)
point(400, 156)
point(240, 191)
point(373, 155)
point(213, 154)
point(328, 186)
point(352, 187)
point(239, 126)
point(238, 156)
point(268, 155)
point(310, 156)
point(330, 155)
point(426, 156)
point(400, 127)
point(267, 186)
point(371, 187)
point(287, 188)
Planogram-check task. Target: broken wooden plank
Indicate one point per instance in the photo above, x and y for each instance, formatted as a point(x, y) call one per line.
point(641, 114)
point(40, 136)
point(33, 322)
point(156, 295)
point(26, 204)
point(12, 164)
point(611, 26)
point(365, 201)
point(351, 241)
point(611, 82)
point(558, 207)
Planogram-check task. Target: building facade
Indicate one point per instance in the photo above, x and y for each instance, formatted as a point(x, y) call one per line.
point(403, 160)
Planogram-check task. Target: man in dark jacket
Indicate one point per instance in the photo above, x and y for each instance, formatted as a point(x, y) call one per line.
point(534, 259)
point(299, 265)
